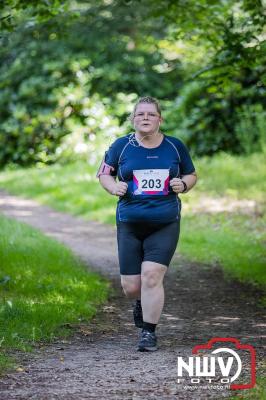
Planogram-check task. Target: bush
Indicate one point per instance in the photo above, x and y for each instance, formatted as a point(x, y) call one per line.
point(251, 129)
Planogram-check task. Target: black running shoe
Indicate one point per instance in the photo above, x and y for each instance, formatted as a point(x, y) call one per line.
point(137, 314)
point(148, 341)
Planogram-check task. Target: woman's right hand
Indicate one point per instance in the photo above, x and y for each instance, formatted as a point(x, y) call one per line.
point(120, 189)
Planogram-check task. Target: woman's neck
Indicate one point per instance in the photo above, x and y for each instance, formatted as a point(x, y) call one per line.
point(149, 139)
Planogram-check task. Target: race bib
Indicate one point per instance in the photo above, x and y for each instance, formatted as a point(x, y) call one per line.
point(151, 181)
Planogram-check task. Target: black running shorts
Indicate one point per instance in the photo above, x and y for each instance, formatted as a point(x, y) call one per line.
point(138, 242)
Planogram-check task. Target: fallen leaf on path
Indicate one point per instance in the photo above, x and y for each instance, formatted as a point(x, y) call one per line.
point(85, 331)
point(109, 309)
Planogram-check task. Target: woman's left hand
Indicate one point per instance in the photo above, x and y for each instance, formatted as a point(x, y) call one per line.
point(177, 185)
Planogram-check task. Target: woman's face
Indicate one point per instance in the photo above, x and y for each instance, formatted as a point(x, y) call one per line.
point(146, 118)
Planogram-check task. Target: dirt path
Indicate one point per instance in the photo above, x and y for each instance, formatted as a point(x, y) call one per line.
point(100, 360)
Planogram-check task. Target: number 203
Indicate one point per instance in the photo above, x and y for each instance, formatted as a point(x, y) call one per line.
point(151, 183)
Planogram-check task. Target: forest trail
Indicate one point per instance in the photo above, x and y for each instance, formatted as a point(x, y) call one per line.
point(100, 361)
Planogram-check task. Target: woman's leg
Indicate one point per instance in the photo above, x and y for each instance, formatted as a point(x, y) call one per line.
point(152, 291)
point(159, 248)
point(131, 285)
point(130, 255)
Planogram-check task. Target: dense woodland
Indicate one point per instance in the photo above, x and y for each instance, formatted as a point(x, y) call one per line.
point(71, 71)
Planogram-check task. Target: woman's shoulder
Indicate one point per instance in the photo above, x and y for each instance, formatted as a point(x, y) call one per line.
point(174, 141)
point(120, 141)
point(119, 144)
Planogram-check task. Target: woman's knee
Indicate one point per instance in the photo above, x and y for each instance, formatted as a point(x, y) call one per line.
point(131, 286)
point(151, 279)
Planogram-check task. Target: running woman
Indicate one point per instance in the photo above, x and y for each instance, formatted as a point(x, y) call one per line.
point(147, 170)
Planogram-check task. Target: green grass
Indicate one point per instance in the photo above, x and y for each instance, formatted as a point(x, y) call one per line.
point(238, 177)
point(258, 393)
point(71, 188)
point(42, 287)
point(235, 241)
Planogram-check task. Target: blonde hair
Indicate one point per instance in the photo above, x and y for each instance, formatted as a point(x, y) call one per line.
point(146, 99)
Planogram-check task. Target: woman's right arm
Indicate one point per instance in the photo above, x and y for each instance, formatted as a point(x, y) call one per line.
point(109, 183)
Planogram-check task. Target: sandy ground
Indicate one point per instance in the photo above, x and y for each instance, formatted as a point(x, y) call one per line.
point(100, 360)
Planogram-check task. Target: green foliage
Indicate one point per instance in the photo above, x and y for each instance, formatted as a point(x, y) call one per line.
point(233, 241)
point(13, 11)
point(42, 287)
point(232, 76)
point(226, 175)
point(206, 236)
point(32, 119)
point(54, 80)
point(211, 109)
point(251, 129)
point(74, 187)
point(63, 61)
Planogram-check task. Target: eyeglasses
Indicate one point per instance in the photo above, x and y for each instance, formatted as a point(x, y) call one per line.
point(151, 115)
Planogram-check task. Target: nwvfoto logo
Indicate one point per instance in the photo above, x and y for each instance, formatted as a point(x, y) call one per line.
point(223, 361)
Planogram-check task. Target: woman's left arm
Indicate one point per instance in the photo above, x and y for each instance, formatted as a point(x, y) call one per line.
point(184, 184)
